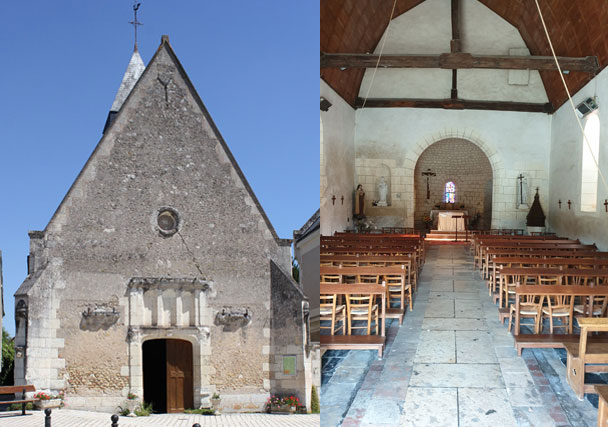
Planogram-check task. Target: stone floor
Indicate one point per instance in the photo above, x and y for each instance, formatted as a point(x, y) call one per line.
point(71, 418)
point(450, 364)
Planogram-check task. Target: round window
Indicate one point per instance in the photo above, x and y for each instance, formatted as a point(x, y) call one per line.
point(167, 221)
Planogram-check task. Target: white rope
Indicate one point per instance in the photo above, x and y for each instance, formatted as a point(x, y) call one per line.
point(580, 125)
point(369, 88)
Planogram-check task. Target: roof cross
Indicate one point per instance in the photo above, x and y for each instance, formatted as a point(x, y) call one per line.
point(135, 22)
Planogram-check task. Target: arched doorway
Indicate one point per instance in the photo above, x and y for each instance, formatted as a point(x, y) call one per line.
point(167, 369)
point(466, 166)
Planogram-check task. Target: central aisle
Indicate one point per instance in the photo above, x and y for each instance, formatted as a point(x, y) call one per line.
point(453, 364)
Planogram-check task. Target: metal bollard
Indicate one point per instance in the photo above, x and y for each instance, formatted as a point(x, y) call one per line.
point(196, 425)
point(114, 419)
point(47, 418)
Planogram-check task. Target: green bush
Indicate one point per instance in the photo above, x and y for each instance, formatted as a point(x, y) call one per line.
point(295, 270)
point(17, 406)
point(143, 410)
point(123, 411)
point(314, 401)
point(202, 411)
point(8, 359)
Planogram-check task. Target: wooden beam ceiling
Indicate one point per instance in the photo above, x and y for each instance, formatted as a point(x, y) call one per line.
point(455, 104)
point(459, 60)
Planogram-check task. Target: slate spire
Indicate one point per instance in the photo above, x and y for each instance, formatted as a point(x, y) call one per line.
point(135, 69)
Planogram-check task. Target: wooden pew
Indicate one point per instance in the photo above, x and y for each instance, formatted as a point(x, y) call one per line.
point(523, 249)
point(406, 288)
point(356, 342)
point(497, 263)
point(384, 261)
point(602, 409)
point(570, 274)
point(584, 356)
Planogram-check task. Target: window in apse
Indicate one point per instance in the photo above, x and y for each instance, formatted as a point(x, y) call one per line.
point(589, 165)
point(450, 192)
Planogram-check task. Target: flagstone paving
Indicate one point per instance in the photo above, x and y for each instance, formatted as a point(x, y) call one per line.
point(452, 363)
point(71, 418)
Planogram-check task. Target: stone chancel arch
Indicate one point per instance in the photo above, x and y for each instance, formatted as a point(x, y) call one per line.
point(466, 165)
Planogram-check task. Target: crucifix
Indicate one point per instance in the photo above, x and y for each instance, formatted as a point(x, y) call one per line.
point(135, 22)
point(521, 188)
point(606, 204)
point(559, 202)
point(428, 174)
point(333, 200)
point(569, 203)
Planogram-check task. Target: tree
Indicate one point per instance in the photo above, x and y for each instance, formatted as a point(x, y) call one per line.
point(8, 359)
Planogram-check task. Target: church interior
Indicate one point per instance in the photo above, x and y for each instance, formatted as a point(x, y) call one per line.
point(464, 212)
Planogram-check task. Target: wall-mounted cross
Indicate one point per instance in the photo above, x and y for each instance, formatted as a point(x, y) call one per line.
point(559, 202)
point(569, 203)
point(428, 174)
point(606, 204)
point(135, 22)
point(333, 200)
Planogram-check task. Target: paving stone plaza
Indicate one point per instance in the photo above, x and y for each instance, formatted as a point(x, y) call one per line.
point(451, 363)
point(71, 418)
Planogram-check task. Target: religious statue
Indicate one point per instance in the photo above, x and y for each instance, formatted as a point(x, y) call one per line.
point(522, 192)
point(359, 201)
point(382, 192)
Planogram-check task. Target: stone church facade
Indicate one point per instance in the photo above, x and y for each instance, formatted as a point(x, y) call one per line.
point(160, 269)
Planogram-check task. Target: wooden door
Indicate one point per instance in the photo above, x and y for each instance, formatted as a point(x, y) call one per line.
point(179, 376)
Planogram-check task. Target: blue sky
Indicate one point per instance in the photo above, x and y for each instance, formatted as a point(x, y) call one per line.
point(254, 64)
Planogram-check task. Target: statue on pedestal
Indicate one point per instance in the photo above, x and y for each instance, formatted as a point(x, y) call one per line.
point(359, 201)
point(382, 192)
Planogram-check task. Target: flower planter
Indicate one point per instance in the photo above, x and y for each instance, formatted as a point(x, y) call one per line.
point(132, 405)
point(282, 409)
point(51, 403)
point(215, 405)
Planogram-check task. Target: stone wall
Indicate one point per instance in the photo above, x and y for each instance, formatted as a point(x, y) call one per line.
point(463, 163)
point(290, 338)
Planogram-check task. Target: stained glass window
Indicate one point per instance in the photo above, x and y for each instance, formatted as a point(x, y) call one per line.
point(450, 192)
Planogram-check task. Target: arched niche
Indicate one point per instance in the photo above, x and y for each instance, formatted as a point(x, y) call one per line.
point(459, 161)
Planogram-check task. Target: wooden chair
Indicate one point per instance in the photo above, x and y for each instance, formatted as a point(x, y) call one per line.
point(530, 307)
point(332, 312)
point(397, 289)
point(562, 307)
point(597, 309)
point(362, 307)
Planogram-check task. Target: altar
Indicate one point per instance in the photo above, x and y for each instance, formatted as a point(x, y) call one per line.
point(446, 220)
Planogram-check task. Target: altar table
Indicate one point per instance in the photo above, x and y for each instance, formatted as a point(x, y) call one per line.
point(446, 220)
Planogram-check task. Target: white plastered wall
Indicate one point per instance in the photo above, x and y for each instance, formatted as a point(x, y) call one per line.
point(565, 173)
point(514, 143)
point(337, 162)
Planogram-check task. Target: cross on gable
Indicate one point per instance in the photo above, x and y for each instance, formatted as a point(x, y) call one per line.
point(135, 22)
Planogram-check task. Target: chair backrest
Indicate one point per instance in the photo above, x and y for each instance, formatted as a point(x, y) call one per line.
point(363, 301)
point(550, 280)
point(328, 301)
point(369, 278)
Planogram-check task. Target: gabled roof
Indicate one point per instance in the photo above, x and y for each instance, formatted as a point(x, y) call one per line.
point(313, 223)
point(167, 47)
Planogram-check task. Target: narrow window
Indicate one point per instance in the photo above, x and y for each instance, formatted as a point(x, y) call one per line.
point(589, 165)
point(450, 192)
